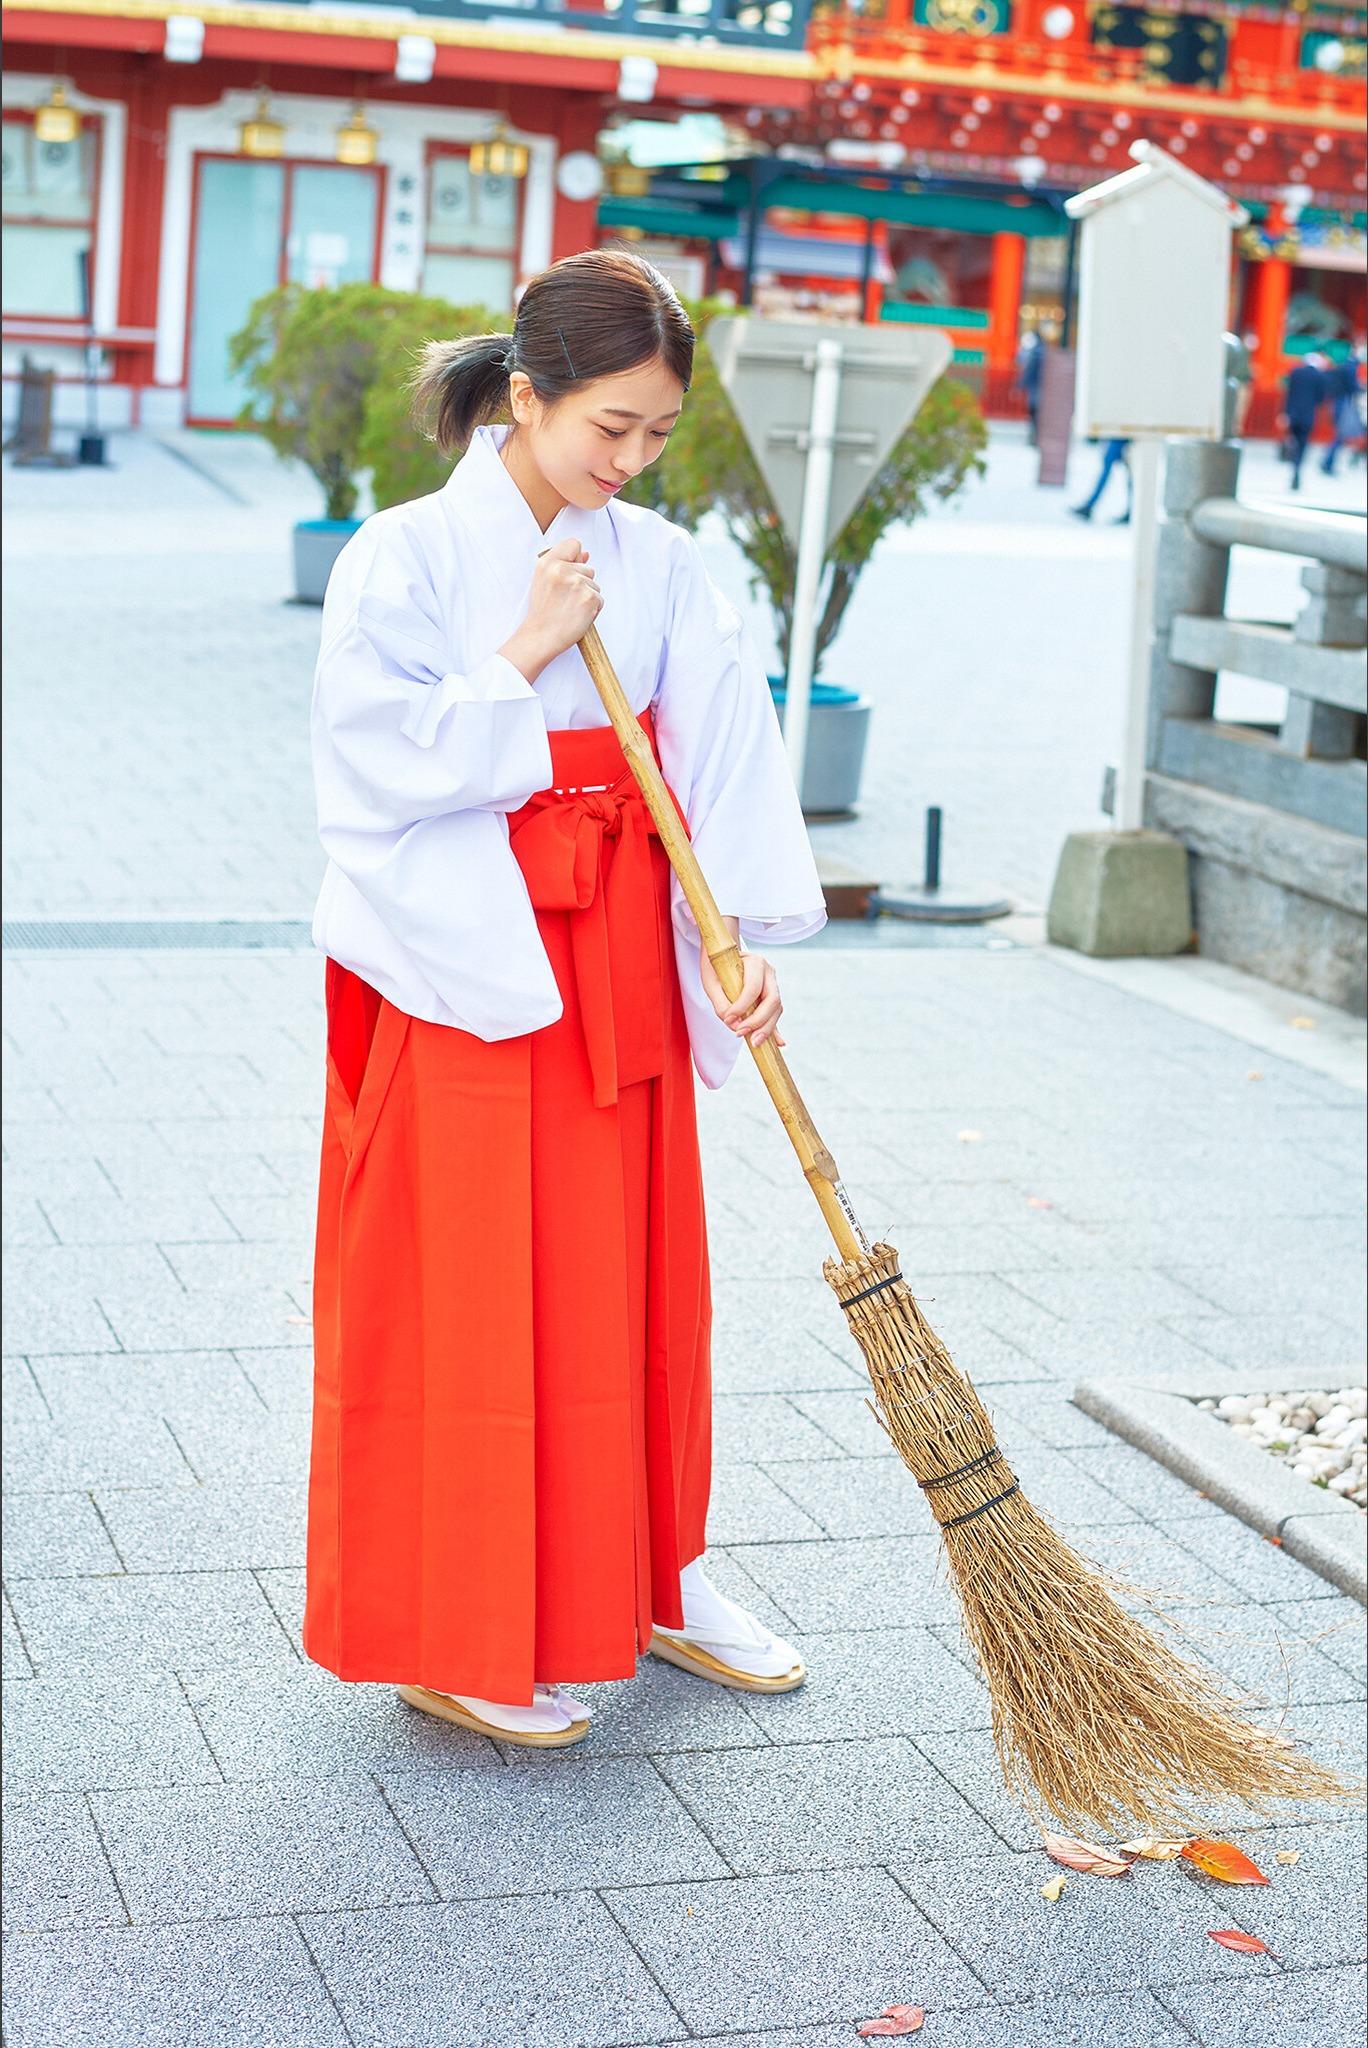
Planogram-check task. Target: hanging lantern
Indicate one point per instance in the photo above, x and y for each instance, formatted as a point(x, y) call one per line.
point(56, 120)
point(629, 181)
point(499, 157)
point(357, 141)
point(261, 136)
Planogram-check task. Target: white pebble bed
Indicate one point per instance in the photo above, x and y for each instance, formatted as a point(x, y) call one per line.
point(1320, 1435)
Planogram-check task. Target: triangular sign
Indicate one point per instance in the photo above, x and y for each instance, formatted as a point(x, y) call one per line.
point(767, 367)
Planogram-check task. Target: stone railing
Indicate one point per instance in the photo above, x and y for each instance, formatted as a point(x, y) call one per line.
point(1273, 818)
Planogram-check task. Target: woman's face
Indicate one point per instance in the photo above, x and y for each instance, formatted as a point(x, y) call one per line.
point(598, 437)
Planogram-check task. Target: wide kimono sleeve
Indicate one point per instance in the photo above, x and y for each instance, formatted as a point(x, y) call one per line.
point(415, 762)
point(722, 753)
point(398, 734)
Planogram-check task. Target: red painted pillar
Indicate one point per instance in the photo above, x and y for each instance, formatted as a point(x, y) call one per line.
point(574, 224)
point(1272, 290)
point(1004, 318)
point(1004, 299)
point(149, 101)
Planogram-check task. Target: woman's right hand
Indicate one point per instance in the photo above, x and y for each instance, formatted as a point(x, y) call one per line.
point(563, 603)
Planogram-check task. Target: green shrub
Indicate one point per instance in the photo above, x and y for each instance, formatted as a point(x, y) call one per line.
point(308, 360)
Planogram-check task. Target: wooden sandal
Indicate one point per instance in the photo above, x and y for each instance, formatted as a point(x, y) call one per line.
point(693, 1657)
point(444, 1708)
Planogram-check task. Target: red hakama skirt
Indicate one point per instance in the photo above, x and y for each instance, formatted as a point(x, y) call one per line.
point(511, 1450)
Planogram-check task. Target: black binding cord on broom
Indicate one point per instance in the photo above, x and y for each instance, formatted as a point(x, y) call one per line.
point(1096, 1719)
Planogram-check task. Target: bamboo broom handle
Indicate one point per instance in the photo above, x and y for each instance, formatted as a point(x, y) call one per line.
point(819, 1168)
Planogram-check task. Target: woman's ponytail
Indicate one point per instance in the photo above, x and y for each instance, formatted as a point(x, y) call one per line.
point(459, 385)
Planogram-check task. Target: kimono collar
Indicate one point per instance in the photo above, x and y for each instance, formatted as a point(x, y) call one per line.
point(498, 518)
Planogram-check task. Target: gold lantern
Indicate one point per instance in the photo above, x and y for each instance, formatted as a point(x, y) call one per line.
point(499, 156)
point(56, 120)
point(628, 181)
point(357, 141)
point(262, 136)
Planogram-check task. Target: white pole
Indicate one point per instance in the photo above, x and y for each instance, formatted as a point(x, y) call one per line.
point(826, 393)
point(1143, 455)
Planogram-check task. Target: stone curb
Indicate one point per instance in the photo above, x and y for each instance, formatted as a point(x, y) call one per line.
point(1326, 1533)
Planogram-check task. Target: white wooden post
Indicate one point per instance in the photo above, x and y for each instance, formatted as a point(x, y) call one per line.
point(826, 394)
point(1144, 458)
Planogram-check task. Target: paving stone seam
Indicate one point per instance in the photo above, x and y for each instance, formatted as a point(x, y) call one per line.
point(600, 1892)
point(297, 1918)
point(22, 1639)
point(274, 1610)
point(100, 1518)
point(378, 1782)
point(920, 1909)
point(764, 1466)
point(680, 1799)
point(89, 1805)
point(197, 1476)
point(34, 1381)
point(203, 1734)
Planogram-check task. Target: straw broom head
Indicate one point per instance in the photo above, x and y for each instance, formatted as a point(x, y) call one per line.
point(1095, 1719)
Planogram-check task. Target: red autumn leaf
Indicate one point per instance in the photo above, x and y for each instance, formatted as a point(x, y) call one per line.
point(1246, 1944)
point(897, 2019)
point(1225, 1861)
point(1076, 1855)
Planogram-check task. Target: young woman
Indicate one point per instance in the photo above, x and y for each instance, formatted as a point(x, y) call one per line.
point(511, 1439)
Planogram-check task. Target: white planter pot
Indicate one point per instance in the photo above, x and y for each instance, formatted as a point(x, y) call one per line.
point(317, 545)
point(838, 728)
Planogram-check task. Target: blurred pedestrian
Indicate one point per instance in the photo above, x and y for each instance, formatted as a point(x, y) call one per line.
point(1113, 452)
point(1343, 383)
point(1030, 362)
point(1305, 394)
point(510, 1462)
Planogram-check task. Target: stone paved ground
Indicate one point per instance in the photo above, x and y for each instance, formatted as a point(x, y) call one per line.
point(212, 1841)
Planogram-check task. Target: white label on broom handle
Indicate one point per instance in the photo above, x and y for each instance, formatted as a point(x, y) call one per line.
point(838, 1189)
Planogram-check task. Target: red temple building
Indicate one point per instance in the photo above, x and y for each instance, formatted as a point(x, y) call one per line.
point(166, 161)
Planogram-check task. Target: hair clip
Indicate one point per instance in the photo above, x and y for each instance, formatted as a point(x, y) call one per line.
point(569, 359)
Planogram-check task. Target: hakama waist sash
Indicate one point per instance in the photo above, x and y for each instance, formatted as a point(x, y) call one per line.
point(588, 846)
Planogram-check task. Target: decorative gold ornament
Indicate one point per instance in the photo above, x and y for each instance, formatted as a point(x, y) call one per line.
point(56, 120)
point(500, 156)
point(357, 141)
point(262, 136)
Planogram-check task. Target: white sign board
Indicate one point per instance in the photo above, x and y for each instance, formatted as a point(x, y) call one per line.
point(822, 403)
point(1154, 290)
point(768, 368)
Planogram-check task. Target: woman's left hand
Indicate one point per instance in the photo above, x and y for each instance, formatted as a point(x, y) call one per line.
point(757, 1010)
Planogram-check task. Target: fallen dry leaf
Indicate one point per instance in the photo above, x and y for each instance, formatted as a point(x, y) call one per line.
point(1054, 1888)
point(1288, 1856)
point(1076, 1855)
point(970, 1137)
point(1254, 1074)
point(1302, 1023)
point(1225, 1861)
point(1154, 1850)
point(1247, 1944)
point(299, 1319)
point(1038, 1202)
point(897, 2019)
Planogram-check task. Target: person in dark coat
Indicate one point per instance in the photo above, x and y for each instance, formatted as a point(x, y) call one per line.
point(1343, 383)
point(1305, 395)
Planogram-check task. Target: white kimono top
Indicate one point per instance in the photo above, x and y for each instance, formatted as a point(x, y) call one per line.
point(424, 737)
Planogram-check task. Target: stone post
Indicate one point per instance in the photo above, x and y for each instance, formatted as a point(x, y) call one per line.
point(1190, 577)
